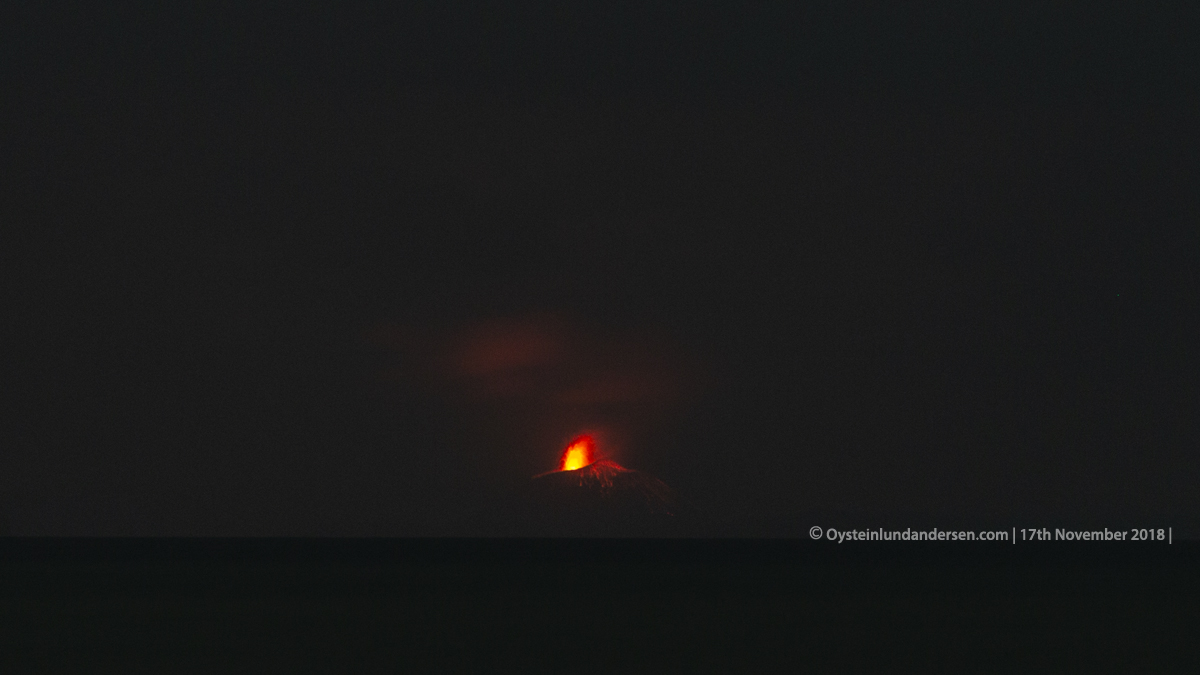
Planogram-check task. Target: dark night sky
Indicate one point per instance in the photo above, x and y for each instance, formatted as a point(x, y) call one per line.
point(920, 260)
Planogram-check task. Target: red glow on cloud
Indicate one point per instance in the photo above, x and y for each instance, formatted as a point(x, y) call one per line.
point(536, 380)
point(505, 346)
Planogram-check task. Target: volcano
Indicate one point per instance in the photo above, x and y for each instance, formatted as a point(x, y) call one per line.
point(589, 497)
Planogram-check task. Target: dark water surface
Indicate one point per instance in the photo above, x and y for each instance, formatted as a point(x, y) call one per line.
point(589, 606)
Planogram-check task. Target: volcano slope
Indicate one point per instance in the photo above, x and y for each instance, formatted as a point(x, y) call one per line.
point(605, 499)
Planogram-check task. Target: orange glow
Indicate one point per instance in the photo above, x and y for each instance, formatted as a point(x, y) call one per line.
point(580, 453)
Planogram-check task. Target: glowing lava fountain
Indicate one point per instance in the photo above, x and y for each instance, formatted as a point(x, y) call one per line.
point(579, 453)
